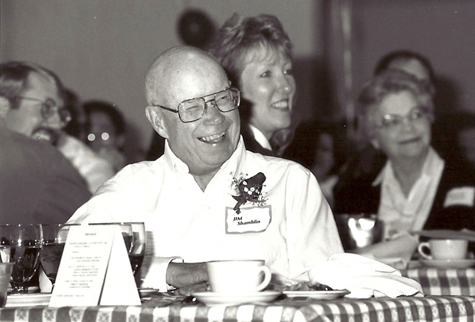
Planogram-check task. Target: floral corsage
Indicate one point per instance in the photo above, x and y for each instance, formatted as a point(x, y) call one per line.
point(248, 189)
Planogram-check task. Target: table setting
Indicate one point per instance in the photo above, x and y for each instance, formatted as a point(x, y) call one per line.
point(345, 287)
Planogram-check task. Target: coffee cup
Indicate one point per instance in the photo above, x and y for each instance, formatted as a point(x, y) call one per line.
point(237, 276)
point(445, 249)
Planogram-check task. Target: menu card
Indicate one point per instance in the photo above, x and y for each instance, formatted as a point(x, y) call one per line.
point(94, 269)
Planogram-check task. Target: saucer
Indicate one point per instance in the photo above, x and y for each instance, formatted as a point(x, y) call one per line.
point(220, 298)
point(320, 295)
point(32, 299)
point(449, 263)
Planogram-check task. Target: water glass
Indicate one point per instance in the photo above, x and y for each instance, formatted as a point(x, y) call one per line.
point(21, 245)
point(134, 238)
point(54, 240)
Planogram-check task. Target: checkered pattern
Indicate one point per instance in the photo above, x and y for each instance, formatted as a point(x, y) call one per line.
point(441, 281)
point(407, 309)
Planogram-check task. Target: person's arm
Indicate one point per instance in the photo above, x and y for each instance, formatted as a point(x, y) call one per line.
point(116, 201)
point(403, 246)
point(312, 233)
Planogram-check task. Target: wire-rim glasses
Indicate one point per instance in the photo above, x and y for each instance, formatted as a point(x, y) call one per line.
point(48, 108)
point(393, 122)
point(193, 109)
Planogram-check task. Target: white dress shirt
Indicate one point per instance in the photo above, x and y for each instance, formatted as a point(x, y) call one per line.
point(292, 229)
point(403, 214)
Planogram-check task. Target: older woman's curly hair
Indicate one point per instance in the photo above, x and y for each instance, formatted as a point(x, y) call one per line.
point(238, 36)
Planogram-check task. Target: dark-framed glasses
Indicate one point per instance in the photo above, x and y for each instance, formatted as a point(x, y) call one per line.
point(193, 109)
point(48, 108)
point(393, 122)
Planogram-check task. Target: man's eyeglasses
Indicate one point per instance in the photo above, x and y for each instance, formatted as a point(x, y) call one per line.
point(193, 109)
point(49, 108)
point(393, 122)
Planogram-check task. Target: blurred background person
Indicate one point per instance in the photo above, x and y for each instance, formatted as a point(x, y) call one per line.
point(411, 62)
point(319, 146)
point(77, 126)
point(37, 183)
point(256, 53)
point(106, 131)
point(416, 189)
point(460, 139)
point(48, 123)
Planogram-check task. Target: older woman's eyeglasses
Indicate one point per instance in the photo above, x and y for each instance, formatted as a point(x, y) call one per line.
point(394, 122)
point(48, 108)
point(193, 109)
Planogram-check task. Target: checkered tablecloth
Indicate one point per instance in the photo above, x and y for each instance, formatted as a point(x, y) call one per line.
point(444, 281)
point(429, 308)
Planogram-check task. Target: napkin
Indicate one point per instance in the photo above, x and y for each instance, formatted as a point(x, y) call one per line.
point(363, 277)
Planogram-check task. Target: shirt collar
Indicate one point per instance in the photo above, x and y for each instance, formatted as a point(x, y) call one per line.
point(432, 163)
point(260, 137)
point(231, 166)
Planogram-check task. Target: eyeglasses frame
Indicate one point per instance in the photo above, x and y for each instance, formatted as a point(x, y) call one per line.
point(426, 114)
point(205, 102)
point(46, 115)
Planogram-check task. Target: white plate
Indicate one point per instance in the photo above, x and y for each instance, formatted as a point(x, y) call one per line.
point(449, 263)
point(32, 299)
point(320, 295)
point(219, 298)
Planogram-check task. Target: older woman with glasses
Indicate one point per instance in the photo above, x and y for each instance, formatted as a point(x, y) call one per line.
point(416, 189)
point(257, 56)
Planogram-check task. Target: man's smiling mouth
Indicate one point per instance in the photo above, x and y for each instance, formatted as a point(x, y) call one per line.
point(213, 138)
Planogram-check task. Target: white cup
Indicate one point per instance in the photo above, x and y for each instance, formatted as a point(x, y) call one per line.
point(238, 275)
point(443, 249)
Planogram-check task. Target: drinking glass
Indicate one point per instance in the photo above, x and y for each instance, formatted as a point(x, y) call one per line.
point(54, 239)
point(137, 247)
point(134, 238)
point(21, 245)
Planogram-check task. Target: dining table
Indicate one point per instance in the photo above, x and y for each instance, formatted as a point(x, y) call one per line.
point(163, 307)
point(449, 295)
point(442, 280)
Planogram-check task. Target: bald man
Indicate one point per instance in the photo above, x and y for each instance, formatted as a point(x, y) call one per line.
point(208, 198)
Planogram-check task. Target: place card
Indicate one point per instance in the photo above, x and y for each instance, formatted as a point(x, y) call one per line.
point(94, 269)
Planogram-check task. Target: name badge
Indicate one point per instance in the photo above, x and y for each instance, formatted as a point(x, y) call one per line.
point(251, 219)
point(463, 196)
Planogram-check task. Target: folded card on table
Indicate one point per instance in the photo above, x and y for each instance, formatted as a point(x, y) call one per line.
point(363, 277)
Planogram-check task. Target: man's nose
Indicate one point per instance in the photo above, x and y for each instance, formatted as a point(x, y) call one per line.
point(212, 114)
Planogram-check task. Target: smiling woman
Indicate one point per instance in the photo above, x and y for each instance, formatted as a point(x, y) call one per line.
point(416, 189)
point(257, 56)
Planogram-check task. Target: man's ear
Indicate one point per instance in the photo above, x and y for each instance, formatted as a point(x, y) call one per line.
point(4, 107)
point(155, 118)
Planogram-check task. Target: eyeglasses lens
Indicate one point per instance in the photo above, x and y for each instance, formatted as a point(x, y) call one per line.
point(192, 110)
point(49, 108)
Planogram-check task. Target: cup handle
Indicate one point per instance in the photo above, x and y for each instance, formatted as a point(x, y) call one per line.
point(422, 249)
point(267, 277)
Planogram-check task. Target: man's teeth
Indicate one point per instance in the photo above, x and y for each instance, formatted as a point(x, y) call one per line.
point(281, 104)
point(212, 138)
